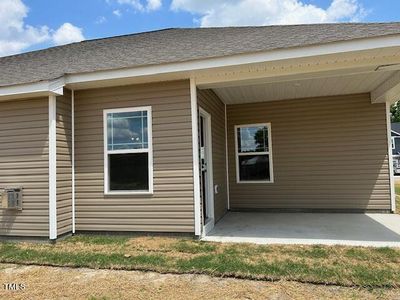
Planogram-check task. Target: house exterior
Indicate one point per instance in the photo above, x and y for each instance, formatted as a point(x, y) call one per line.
point(167, 131)
point(395, 128)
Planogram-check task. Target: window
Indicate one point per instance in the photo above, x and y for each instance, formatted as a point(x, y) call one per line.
point(128, 161)
point(253, 153)
point(396, 145)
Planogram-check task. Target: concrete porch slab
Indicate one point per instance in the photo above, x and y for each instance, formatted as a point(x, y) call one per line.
point(374, 230)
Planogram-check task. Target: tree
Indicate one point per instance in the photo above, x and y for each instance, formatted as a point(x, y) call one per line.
point(261, 139)
point(395, 112)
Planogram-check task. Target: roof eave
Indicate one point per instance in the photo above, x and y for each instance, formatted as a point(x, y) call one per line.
point(189, 68)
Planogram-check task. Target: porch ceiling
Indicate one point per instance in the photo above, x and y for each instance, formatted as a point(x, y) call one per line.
point(300, 87)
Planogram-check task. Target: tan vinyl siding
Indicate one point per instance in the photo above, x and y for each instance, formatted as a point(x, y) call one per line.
point(170, 208)
point(64, 163)
point(328, 153)
point(24, 162)
point(210, 102)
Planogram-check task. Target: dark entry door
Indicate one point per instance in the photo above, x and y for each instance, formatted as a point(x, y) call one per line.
point(203, 165)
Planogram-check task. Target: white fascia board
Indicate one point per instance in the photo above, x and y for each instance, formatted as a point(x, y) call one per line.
point(240, 59)
point(53, 87)
point(189, 68)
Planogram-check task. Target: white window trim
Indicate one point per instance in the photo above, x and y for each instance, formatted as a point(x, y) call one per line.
point(149, 150)
point(269, 153)
point(394, 141)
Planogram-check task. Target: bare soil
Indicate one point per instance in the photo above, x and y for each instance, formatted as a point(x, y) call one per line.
point(79, 283)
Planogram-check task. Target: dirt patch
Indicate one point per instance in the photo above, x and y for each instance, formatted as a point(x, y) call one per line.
point(56, 283)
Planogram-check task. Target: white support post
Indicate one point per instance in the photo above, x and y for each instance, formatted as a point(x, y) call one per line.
point(195, 146)
point(227, 160)
point(390, 155)
point(52, 168)
point(73, 157)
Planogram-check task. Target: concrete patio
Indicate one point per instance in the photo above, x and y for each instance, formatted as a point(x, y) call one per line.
point(375, 230)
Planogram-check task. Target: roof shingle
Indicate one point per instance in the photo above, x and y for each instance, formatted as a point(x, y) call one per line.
point(175, 45)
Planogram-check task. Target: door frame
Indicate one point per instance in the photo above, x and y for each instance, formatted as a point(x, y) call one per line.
point(209, 174)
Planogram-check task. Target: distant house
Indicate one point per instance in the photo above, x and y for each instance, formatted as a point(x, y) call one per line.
point(396, 147)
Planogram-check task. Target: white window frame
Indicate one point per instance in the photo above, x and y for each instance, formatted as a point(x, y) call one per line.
point(269, 153)
point(149, 150)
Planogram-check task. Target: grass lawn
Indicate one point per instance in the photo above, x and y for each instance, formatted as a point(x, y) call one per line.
point(339, 265)
point(397, 189)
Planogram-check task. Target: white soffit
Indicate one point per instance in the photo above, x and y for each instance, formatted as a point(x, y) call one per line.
point(378, 45)
point(294, 89)
point(360, 52)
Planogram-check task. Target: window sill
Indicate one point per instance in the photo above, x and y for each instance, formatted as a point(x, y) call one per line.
point(252, 182)
point(127, 193)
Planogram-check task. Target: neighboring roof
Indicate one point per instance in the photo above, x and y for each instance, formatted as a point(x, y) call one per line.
point(396, 128)
point(175, 45)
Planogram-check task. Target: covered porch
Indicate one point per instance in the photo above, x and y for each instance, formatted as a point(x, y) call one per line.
point(326, 145)
point(374, 230)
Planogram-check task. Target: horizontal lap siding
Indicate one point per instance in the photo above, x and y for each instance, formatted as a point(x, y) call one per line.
point(210, 102)
point(64, 163)
point(328, 153)
point(170, 208)
point(24, 162)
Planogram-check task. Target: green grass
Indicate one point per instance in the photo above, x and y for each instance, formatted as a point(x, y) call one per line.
point(190, 247)
point(397, 190)
point(345, 266)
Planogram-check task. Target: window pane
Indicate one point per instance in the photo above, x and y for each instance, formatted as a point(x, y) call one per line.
point(396, 146)
point(127, 130)
point(252, 139)
point(253, 167)
point(129, 172)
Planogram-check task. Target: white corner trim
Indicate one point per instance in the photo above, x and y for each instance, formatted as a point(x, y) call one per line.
point(195, 146)
point(73, 156)
point(390, 155)
point(52, 168)
point(227, 160)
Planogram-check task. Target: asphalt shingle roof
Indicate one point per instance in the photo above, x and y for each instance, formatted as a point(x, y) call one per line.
point(396, 127)
point(175, 45)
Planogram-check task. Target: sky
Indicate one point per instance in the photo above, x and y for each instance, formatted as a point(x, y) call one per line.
point(28, 25)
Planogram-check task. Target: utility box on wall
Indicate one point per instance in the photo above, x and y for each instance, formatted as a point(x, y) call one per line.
point(11, 198)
